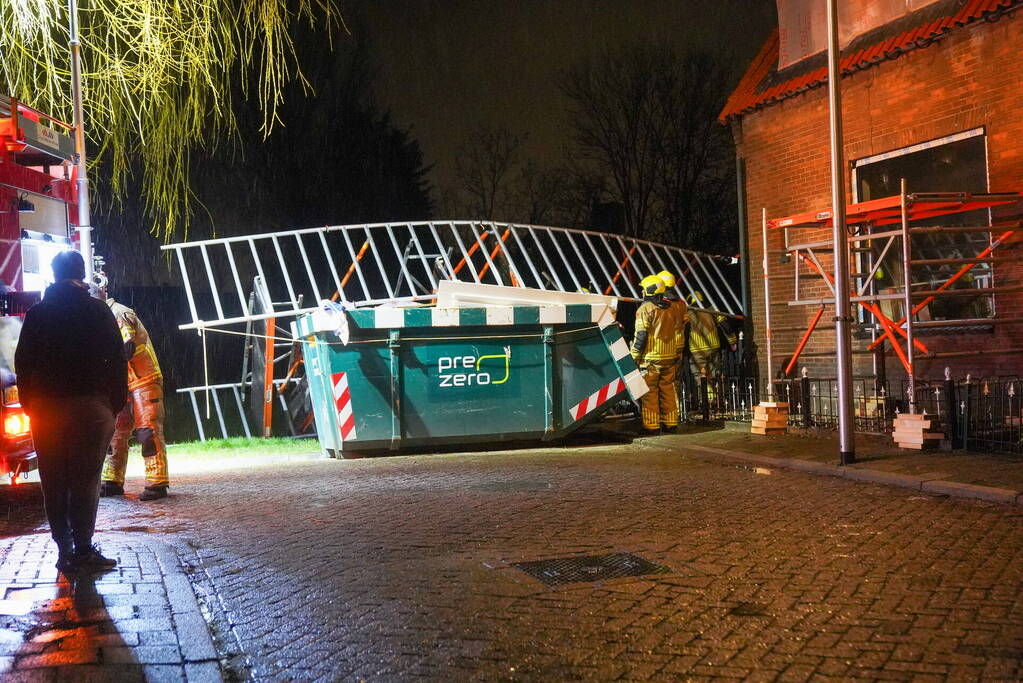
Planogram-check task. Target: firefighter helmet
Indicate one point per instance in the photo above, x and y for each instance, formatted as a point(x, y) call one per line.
point(696, 298)
point(652, 285)
point(668, 278)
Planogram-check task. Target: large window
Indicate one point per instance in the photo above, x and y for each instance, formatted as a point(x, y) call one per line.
point(957, 163)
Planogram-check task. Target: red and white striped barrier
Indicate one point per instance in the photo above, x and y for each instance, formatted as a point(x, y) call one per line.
point(597, 398)
point(343, 405)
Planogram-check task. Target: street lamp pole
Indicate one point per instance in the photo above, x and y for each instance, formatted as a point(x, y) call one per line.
point(84, 215)
point(843, 319)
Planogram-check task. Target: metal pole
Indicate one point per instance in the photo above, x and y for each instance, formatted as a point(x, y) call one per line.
point(846, 435)
point(907, 299)
point(744, 264)
point(767, 310)
point(84, 215)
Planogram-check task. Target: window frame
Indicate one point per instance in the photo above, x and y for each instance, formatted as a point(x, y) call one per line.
point(858, 164)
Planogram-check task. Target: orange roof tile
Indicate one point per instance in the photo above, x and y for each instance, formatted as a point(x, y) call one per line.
point(757, 88)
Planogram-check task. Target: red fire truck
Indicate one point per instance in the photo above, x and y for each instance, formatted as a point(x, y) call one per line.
point(37, 203)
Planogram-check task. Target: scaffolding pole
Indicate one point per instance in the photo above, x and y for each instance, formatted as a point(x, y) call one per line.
point(907, 280)
point(767, 312)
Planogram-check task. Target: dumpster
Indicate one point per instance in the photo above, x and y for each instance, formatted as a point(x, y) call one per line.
point(390, 378)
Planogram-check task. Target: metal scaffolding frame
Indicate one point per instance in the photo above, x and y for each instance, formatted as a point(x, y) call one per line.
point(867, 223)
point(404, 262)
point(235, 391)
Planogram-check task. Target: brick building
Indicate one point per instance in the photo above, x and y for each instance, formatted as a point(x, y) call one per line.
point(932, 91)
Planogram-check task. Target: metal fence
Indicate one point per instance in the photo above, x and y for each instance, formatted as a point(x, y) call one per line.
point(977, 414)
point(363, 265)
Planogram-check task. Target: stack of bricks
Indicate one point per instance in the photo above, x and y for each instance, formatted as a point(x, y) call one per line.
point(770, 418)
point(917, 431)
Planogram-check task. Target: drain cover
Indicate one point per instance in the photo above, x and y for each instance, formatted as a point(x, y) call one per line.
point(586, 568)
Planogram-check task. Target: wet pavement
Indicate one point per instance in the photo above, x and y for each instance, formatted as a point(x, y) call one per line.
point(414, 566)
point(140, 621)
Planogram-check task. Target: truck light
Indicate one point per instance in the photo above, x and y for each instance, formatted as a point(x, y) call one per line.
point(16, 423)
point(11, 395)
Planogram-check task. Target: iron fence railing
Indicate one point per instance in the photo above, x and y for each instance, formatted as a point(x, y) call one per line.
point(977, 414)
point(987, 414)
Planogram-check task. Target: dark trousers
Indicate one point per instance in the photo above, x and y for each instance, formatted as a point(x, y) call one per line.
point(71, 437)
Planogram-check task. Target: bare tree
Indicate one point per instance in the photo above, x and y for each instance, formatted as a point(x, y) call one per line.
point(695, 185)
point(485, 166)
point(618, 125)
point(645, 117)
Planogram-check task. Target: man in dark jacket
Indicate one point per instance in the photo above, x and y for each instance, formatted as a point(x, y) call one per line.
point(72, 381)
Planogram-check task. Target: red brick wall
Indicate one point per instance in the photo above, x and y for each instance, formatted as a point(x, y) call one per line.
point(972, 78)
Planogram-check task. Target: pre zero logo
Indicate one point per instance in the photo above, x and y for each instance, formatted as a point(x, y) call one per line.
point(469, 370)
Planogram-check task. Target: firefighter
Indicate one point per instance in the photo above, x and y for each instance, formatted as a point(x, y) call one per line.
point(705, 342)
point(657, 348)
point(144, 412)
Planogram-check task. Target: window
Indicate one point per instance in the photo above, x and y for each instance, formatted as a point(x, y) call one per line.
point(957, 163)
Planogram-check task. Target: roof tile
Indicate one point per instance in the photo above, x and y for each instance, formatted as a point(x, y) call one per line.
point(757, 89)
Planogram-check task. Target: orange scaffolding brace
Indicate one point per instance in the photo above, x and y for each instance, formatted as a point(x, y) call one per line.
point(899, 210)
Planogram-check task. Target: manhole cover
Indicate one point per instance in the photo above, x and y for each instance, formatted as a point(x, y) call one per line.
point(587, 568)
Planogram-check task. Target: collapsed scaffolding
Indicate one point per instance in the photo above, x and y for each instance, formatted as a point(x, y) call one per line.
point(875, 228)
point(260, 280)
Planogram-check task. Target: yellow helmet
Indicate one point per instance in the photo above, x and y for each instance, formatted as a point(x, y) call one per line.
point(652, 285)
point(696, 298)
point(668, 278)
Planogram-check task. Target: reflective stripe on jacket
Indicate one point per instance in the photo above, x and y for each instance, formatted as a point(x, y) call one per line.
point(665, 328)
point(703, 331)
point(143, 368)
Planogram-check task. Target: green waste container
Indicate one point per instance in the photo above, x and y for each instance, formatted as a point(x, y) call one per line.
point(437, 376)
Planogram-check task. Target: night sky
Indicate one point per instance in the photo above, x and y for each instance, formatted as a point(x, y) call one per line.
point(446, 66)
point(442, 67)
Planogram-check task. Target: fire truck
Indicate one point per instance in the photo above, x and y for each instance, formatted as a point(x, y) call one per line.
point(38, 199)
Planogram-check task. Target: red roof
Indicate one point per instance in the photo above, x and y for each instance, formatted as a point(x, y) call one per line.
point(763, 84)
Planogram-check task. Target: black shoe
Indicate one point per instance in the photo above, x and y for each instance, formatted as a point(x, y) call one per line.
point(153, 493)
point(110, 488)
point(66, 563)
point(91, 559)
point(673, 429)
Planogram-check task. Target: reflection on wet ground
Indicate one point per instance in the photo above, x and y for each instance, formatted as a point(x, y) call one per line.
point(117, 625)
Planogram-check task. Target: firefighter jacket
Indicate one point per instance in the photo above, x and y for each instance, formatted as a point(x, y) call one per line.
point(660, 331)
point(703, 332)
point(143, 368)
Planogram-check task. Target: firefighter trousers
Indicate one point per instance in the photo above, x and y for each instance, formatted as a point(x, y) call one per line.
point(705, 364)
point(660, 404)
point(143, 415)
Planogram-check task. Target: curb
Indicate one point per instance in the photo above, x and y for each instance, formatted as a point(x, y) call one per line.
point(193, 632)
point(923, 483)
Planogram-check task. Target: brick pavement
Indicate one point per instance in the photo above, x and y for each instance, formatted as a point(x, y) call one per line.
point(1001, 476)
point(397, 568)
point(140, 621)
